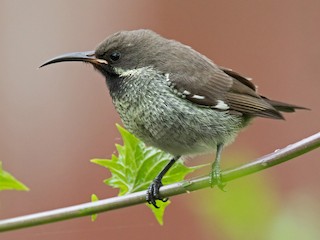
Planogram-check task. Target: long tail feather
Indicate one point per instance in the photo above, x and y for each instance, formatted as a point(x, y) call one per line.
point(284, 107)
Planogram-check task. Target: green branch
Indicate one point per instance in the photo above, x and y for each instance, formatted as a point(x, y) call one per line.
point(294, 150)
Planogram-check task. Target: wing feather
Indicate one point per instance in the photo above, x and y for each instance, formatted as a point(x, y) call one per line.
point(205, 83)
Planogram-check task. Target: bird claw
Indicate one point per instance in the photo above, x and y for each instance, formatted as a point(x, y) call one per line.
point(215, 179)
point(153, 193)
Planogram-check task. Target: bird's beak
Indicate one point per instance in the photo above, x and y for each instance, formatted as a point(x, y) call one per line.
point(88, 57)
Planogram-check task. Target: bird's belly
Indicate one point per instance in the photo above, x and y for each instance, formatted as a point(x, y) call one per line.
point(191, 136)
point(180, 128)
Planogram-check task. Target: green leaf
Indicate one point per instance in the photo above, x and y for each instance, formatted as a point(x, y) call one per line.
point(158, 212)
point(94, 198)
point(137, 165)
point(8, 182)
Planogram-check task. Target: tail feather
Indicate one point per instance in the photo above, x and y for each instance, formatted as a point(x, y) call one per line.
point(284, 107)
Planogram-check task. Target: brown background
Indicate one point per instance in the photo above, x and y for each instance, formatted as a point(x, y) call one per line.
point(55, 119)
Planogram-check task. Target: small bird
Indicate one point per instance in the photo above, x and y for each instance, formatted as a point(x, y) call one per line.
point(174, 98)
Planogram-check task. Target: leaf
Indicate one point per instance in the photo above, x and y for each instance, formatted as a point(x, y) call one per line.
point(8, 182)
point(137, 165)
point(158, 212)
point(94, 198)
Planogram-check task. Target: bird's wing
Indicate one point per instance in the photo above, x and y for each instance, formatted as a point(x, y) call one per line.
point(224, 90)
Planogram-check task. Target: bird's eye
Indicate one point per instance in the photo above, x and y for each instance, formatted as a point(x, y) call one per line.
point(115, 56)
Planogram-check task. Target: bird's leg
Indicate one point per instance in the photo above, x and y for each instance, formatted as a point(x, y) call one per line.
point(215, 174)
point(153, 193)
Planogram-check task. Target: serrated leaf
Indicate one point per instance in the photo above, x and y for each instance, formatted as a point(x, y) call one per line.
point(136, 165)
point(9, 182)
point(158, 212)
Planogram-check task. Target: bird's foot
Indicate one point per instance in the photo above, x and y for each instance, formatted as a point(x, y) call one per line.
point(215, 178)
point(153, 193)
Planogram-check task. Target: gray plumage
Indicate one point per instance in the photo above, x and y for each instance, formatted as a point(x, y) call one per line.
point(156, 114)
point(174, 98)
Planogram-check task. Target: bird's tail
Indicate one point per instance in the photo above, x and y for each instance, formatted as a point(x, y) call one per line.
point(284, 107)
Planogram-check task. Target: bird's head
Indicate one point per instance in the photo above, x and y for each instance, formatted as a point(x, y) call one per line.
point(121, 52)
point(128, 54)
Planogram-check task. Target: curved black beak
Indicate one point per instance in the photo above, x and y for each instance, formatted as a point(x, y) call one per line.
point(88, 56)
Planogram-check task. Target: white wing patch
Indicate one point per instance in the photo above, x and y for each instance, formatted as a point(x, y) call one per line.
point(185, 92)
point(221, 105)
point(195, 96)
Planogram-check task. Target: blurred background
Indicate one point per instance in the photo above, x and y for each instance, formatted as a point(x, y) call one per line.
point(54, 120)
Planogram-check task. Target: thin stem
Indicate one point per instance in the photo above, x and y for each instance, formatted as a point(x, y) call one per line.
point(282, 155)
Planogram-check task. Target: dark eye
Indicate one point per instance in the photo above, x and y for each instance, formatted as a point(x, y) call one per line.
point(115, 56)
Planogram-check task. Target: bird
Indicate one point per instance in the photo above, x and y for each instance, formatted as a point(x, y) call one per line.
point(174, 98)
